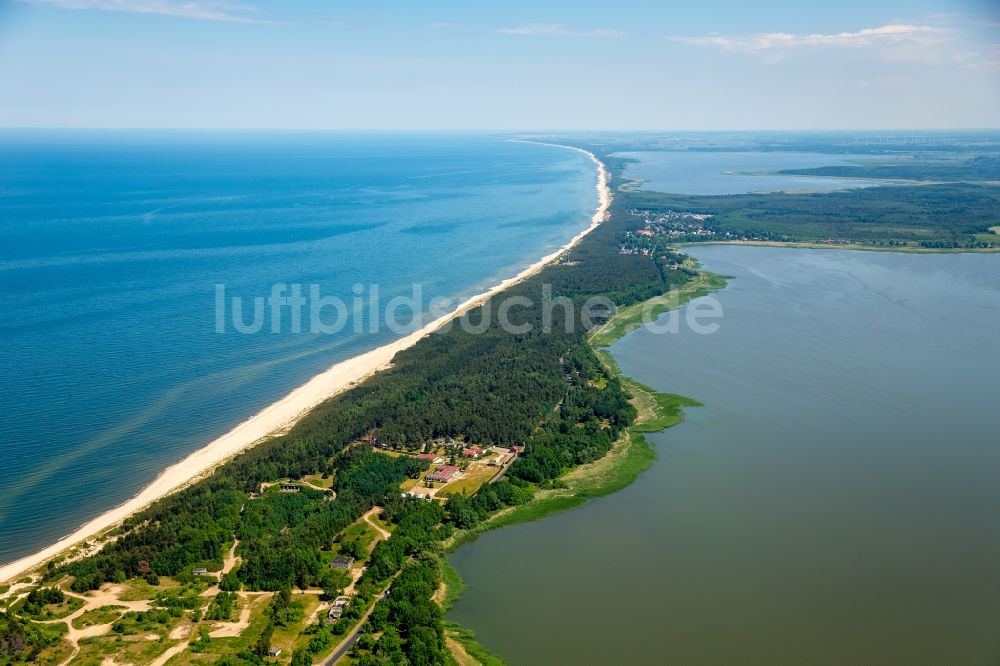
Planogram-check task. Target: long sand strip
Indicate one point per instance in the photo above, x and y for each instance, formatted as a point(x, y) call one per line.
point(293, 406)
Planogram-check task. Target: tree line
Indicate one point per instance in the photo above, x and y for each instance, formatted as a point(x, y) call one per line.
point(543, 389)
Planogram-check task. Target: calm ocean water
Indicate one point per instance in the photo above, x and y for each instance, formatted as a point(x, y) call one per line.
point(111, 245)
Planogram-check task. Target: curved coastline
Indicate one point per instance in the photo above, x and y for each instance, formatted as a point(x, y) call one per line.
point(284, 413)
point(630, 456)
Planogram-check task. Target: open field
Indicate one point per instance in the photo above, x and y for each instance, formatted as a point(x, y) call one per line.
point(97, 616)
point(475, 476)
point(317, 481)
point(361, 531)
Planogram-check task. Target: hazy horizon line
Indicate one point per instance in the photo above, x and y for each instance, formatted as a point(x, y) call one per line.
point(6, 128)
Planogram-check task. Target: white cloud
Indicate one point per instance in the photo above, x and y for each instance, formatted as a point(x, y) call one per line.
point(988, 60)
point(559, 29)
point(886, 35)
point(186, 9)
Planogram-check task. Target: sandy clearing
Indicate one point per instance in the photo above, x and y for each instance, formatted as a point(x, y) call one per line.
point(165, 657)
point(230, 629)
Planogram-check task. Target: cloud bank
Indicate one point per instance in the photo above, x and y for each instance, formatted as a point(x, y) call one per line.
point(886, 35)
point(185, 9)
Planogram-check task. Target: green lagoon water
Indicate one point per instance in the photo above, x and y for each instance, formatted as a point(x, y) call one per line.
point(835, 501)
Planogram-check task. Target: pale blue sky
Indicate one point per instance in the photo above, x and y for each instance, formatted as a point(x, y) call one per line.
point(345, 64)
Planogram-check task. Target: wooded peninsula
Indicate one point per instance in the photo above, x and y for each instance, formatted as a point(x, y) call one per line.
point(317, 544)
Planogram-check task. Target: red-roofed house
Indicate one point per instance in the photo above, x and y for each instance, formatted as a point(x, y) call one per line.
point(433, 457)
point(473, 451)
point(443, 474)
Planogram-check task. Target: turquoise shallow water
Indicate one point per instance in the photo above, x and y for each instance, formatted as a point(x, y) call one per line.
point(834, 502)
point(111, 244)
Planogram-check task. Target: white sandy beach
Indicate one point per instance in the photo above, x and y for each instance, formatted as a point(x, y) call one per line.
point(292, 407)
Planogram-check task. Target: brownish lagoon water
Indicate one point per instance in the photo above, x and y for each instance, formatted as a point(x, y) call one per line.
point(837, 500)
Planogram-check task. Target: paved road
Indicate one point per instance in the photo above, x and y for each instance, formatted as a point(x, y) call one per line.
point(351, 638)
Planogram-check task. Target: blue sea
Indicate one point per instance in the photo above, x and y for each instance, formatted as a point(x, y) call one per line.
point(113, 247)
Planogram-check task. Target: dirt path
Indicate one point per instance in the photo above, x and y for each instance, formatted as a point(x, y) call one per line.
point(16, 591)
point(165, 657)
point(228, 563)
point(383, 533)
point(319, 488)
point(231, 559)
point(458, 652)
point(231, 629)
point(109, 595)
point(106, 596)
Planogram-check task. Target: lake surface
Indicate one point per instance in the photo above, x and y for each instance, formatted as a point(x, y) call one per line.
point(835, 501)
point(112, 244)
point(693, 172)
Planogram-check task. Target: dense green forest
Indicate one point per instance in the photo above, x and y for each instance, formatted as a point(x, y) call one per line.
point(954, 208)
point(544, 389)
point(944, 215)
point(21, 640)
point(981, 167)
point(538, 389)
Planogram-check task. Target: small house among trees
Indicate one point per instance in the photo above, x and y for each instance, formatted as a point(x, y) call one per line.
point(342, 562)
point(337, 609)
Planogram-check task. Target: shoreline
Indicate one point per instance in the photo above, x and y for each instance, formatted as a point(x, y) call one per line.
point(630, 456)
point(853, 247)
point(658, 411)
point(284, 413)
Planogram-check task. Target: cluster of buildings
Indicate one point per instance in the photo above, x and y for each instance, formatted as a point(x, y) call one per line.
point(669, 225)
point(674, 219)
point(467, 452)
point(443, 474)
